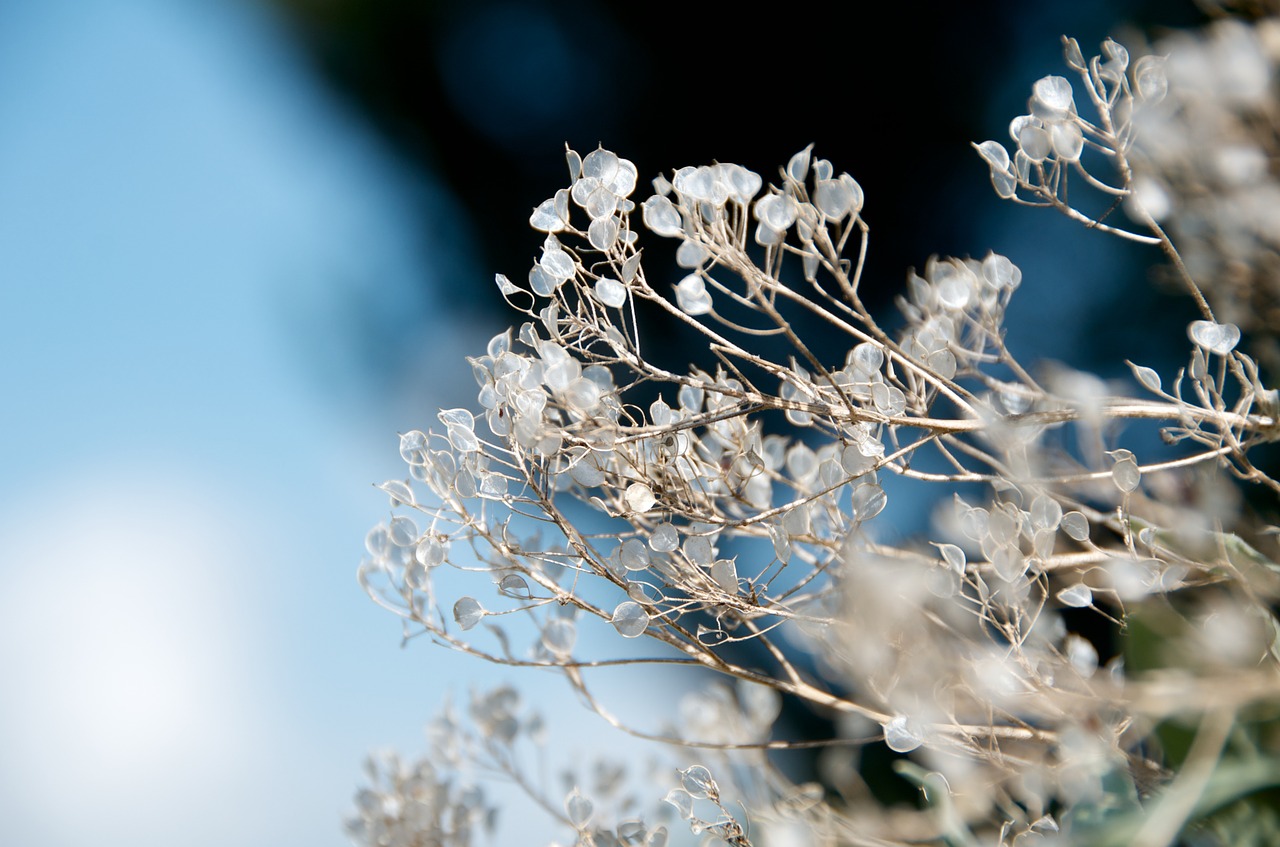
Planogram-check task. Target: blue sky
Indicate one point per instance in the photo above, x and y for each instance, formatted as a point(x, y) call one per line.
point(186, 221)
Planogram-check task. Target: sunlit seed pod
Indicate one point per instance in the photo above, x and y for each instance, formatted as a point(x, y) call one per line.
point(634, 555)
point(417, 576)
point(403, 531)
point(431, 551)
point(954, 557)
point(725, 574)
point(869, 500)
point(664, 538)
point(1075, 525)
point(515, 586)
point(692, 296)
point(682, 801)
point(413, 447)
point(1126, 475)
point(1067, 140)
point(1214, 337)
point(698, 549)
point(1076, 596)
point(399, 491)
point(901, 735)
point(630, 619)
point(579, 809)
point(1034, 142)
point(698, 781)
point(639, 497)
point(468, 612)
point(662, 217)
point(1149, 379)
point(1052, 98)
point(1046, 512)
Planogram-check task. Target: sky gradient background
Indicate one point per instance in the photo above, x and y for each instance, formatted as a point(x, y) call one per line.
point(188, 446)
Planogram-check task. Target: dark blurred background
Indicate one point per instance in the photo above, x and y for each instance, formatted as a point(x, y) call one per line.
point(484, 95)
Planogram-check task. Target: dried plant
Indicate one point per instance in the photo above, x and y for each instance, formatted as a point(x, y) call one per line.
point(690, 520)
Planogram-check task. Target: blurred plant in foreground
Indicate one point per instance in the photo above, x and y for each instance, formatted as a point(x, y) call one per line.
point(583, 514)
point(1206, 169)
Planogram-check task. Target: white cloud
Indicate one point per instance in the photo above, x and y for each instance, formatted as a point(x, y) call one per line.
point(126, 696)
